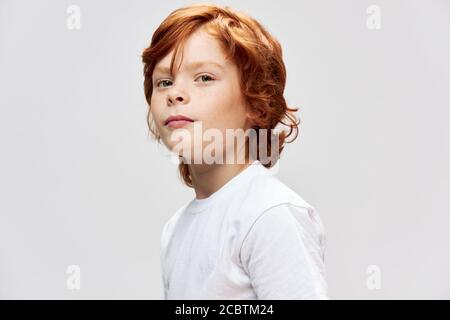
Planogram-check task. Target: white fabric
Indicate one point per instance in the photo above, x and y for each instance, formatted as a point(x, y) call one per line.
point(254, 238)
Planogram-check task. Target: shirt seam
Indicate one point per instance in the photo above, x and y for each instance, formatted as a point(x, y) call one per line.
point(257, 219)
point(317, 290)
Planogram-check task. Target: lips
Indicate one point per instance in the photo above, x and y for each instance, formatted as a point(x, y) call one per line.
point(177, 120)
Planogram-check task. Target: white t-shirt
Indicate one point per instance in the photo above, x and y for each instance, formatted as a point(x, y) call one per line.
point(254, 238)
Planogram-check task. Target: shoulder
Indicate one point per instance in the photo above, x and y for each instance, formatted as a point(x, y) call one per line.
point(267, 199)
point(286, 220)
point(268, 196)
point(271, 191)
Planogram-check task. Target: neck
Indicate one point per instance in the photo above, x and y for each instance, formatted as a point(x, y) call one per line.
point(208, 178)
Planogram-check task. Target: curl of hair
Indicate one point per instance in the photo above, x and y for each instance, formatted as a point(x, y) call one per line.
point(248, 44)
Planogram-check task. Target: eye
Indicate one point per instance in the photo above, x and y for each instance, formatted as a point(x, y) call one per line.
point(205, 77)
point(162, 81)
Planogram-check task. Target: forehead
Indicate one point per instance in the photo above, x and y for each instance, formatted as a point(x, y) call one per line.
point(199, 48)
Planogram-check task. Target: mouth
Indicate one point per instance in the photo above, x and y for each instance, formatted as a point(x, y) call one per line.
point(177, 121)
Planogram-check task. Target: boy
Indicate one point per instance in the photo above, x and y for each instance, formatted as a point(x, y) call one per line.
point(245, 235)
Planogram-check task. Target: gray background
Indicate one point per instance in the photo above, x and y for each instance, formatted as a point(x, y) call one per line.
point(81, 183)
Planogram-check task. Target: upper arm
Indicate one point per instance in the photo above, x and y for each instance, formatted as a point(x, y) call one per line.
point(283, 254)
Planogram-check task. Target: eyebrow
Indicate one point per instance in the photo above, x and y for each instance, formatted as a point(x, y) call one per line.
point(192, 65)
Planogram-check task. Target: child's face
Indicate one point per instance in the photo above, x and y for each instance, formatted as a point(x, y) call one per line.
point(209, 93)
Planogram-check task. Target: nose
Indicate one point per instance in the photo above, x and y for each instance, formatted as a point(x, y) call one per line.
point(176, 96)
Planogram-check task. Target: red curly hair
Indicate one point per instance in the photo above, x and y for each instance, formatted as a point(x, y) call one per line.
point(248, 44)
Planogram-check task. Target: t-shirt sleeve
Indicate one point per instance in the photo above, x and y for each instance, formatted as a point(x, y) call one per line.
point(283, 254)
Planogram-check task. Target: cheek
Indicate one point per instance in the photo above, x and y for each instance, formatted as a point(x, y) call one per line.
point(156, 115)
point(230, 113)
point(222, 108)
point(156, 109)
